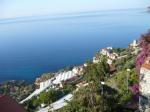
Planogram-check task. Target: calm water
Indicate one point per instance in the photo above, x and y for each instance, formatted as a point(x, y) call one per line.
point(33, 45)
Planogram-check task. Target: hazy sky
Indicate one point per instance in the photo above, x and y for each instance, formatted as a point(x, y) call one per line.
point(19, 8)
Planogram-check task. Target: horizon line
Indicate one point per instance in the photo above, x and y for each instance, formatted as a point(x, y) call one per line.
point(59, 16)
point(75, 13)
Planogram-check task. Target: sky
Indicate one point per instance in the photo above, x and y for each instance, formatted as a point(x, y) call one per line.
point(23, 8)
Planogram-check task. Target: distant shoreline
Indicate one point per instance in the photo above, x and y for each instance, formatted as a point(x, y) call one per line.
point(74, 13)
point(62, 16)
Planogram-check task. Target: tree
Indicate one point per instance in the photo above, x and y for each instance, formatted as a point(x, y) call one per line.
point(90, 100)
point(43, 97)
point(96, 72)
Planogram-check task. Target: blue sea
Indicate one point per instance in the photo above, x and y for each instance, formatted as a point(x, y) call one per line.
point(30, 46)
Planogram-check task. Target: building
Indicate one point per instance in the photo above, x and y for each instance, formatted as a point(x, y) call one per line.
point(145, 84)
point(78, 70)
point(63, 76)
point(134, 44)
point(106, 52)
point(109, 53)
point(7, 104)
point(96, 60)
point(42, 82)
point(113, 56)
point(145, 77)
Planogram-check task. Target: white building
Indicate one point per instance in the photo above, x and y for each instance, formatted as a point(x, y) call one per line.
point(78, 70)
point(63, 76)
point(96, 60)
point(109, 53)
point(134, 44)
point(106, 52)
point(43, 82)
point(145, 83)
point(113, 56)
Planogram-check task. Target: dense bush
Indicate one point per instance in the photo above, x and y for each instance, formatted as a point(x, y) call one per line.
point(145, 46)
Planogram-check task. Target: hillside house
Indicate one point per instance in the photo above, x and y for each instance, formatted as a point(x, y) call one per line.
point(109, 53)
point(145, 84)
point(7, 104)
point(78, 70)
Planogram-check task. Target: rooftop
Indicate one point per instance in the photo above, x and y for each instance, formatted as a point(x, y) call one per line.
point(147, 66)
point(147, 63)
point(7, 104)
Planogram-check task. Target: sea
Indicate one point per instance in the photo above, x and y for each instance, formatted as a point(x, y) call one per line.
point(31, 46)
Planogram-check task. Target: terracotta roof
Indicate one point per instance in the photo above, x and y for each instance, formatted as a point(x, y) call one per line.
point(147, 66)
point(7, 104)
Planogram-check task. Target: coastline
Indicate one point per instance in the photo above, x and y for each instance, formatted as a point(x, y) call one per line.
point(49, 56)
point(58, 80)
point(61, 70)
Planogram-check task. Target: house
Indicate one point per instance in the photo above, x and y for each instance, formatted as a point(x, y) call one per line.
point(145, 77)
point(106, 52)
point(109, 53)
point(7, 104)
point(113, 56)
point(78, 70)
point(145, 84)
point(96, 60)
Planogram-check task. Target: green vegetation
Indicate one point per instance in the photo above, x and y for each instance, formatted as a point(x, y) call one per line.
point(94, 97)
point(68, 88)
point(127, 62)
point(96, 72)
point(46, 98)
point(18, 90)
point(89, 99)
point(120, 51)
point(111, 97)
